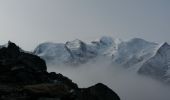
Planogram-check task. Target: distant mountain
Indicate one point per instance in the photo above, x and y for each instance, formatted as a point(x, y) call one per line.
point(134, 52)
point(158, 66)
point(53, 52)
point(141, 56)
point(124, 53)
point(72, 52)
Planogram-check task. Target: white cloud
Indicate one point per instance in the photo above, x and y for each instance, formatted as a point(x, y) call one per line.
point(128, 85)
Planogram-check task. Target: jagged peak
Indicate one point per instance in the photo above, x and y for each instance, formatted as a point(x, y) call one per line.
point(165, 44)
point(75, 43)
point(11, 45)
point(164, 47)
point(106, 40)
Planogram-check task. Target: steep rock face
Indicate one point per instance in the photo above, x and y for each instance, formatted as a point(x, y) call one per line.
point(159, 65)
point(24, 76)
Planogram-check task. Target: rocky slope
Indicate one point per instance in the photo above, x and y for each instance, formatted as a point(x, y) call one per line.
point(24, 76)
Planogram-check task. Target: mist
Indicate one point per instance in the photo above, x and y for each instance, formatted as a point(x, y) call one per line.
point(126, 83)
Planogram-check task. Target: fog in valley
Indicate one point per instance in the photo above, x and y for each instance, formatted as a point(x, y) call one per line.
point(125, 82)
point(31, 22)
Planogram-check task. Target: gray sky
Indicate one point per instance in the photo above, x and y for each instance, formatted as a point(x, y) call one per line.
point(30, 22)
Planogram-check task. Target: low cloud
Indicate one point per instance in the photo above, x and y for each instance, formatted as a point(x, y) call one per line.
point(126, 83)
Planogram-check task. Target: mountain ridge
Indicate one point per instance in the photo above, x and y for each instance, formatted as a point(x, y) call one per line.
point(133, 53)
point(104, 46)
point(24, 76)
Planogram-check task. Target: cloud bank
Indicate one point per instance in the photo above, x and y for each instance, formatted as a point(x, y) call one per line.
point(128, 84)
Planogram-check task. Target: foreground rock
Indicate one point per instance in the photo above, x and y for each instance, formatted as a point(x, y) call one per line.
point(24, 76)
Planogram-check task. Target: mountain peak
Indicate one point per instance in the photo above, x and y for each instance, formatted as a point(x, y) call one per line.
point(165, 47)
point(74, 44)
point(12, 45)
point(165, 44)
point(106, 40)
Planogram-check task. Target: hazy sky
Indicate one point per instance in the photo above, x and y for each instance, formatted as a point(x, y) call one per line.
point(30, 22)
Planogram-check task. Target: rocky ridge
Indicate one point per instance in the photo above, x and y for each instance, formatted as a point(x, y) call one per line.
point(24, 76)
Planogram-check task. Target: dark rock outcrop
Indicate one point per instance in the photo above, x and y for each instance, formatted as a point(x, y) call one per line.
point(97, 92)
point(24, 76)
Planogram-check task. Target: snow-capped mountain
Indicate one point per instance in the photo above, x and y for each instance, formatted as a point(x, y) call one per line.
point(80, 52)
point(133, 52)
point(53, 52)
point(141, 56)
point(159, 65)
point(72, 52)
point(124, 53)
point(106, 45)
